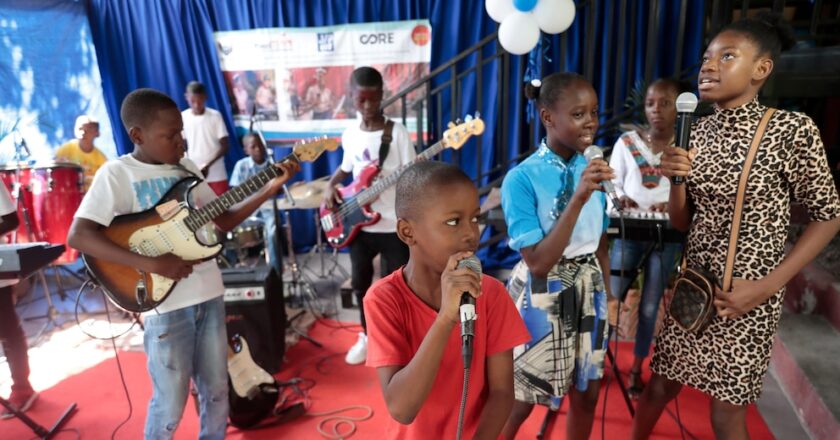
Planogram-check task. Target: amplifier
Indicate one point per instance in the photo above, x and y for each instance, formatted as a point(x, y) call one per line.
point(255, 310)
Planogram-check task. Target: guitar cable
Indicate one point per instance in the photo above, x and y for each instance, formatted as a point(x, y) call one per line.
point(122, 376)
point(90, 283)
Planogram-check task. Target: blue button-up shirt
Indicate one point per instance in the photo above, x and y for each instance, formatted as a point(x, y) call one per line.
point(534, 195)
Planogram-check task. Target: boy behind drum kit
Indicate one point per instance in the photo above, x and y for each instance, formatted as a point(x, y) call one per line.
point(259, 230)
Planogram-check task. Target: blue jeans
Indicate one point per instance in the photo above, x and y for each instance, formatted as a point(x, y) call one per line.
point(189, 343)
point(659, 267)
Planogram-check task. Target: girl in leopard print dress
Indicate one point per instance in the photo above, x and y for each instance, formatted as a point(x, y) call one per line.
point(728, 360)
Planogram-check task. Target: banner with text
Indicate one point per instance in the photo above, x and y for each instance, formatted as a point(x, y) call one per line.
point(295, 82)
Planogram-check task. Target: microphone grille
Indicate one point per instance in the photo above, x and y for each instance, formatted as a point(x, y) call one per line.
point(686, 102)
point(472, 262)
point(593, 152)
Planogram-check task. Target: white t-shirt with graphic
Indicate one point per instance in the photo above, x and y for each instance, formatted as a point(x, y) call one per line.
point(127, 186)
point(202, 133)
point(361, 148)
point(7, 206)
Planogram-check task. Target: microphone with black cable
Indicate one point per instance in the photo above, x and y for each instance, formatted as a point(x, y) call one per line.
point(686, 104)
point(468, 317)
point(595, 152)
point(467, 312)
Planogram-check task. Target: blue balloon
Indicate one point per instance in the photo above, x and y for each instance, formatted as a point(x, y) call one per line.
point(525, 5)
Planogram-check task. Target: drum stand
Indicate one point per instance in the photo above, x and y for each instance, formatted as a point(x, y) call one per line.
point(300, 290)
point(321, 249)
point(52, 313)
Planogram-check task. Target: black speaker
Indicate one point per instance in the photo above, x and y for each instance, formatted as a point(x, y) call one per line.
point(255, 310)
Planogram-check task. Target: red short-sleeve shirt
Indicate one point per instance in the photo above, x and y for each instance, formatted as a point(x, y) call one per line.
point(397, 322)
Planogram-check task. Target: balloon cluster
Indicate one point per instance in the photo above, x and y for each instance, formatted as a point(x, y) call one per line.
point(522, 20)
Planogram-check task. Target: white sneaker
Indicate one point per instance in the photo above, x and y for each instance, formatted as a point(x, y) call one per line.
point(358, 352)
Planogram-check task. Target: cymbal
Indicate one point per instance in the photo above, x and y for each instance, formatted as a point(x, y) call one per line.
point(306, 195)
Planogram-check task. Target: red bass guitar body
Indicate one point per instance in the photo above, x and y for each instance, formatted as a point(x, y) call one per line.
point(354, 216)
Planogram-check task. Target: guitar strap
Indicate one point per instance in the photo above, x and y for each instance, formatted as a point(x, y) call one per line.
point(386, 141)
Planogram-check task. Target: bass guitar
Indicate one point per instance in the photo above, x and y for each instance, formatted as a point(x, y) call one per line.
point(342, 223)
point(253, 392)
point(175, 226)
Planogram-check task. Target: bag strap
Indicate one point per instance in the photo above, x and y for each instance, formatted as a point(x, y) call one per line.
point(739, 199)
point(386, 141)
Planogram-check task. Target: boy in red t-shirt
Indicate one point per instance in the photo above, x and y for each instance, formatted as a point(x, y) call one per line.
point(414, 339)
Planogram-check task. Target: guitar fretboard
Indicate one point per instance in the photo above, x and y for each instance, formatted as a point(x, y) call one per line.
point(211, 210)
point(382, 184)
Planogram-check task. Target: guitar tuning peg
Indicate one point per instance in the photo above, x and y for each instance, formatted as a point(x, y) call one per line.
point(450, 124)
point(458, 121)
point(468, 118)
point(477, 115)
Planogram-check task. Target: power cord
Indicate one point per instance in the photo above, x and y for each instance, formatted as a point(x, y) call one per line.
point(296, 390)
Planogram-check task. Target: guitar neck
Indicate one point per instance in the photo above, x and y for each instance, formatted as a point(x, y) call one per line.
point(374, 190)
point(215, 208)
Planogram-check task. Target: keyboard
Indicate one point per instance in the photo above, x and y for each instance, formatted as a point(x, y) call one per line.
point(22, 259)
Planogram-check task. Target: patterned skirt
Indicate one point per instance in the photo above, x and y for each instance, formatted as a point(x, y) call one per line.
point(566, 314)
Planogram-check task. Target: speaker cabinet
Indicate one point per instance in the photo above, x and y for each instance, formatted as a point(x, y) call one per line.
point(255, 310)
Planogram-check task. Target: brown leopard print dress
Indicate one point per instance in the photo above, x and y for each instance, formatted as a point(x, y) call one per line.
point(728, 360)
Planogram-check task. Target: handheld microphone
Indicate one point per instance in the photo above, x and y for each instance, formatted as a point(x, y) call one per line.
point(467, 312)
point(686, 103)
point(594, 152)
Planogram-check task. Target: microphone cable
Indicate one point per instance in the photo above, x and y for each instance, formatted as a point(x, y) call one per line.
point(463, 402)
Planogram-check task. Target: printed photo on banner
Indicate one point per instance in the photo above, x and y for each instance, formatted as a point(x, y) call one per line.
point(252, 92)
point(296, 81)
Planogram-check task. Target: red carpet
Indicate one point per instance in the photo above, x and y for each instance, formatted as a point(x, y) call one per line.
point(102, 404)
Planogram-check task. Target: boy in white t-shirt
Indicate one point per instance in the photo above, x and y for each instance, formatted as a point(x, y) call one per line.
point(206, 136)
point(11, 333)
point(361, 144)
point(185, 336)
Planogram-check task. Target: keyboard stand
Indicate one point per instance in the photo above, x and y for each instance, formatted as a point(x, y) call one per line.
point(39, 430)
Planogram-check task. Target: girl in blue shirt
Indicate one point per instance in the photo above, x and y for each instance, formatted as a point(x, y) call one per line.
point(556, 217)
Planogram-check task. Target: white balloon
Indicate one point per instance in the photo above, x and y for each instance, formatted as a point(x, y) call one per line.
point(498, 10)
point(555, 16)
point(519, 32)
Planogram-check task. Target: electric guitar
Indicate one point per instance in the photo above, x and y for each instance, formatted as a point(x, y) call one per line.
point(253, 392)
point(342, 223)
point(175, 226)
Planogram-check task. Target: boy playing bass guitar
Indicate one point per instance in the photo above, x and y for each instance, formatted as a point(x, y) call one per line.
point(363, 146)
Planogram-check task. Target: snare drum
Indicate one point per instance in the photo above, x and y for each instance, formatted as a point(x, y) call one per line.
point(248, 234)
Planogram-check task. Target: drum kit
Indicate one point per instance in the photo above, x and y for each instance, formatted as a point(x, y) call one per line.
point(248, 242)
point(47, 194)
